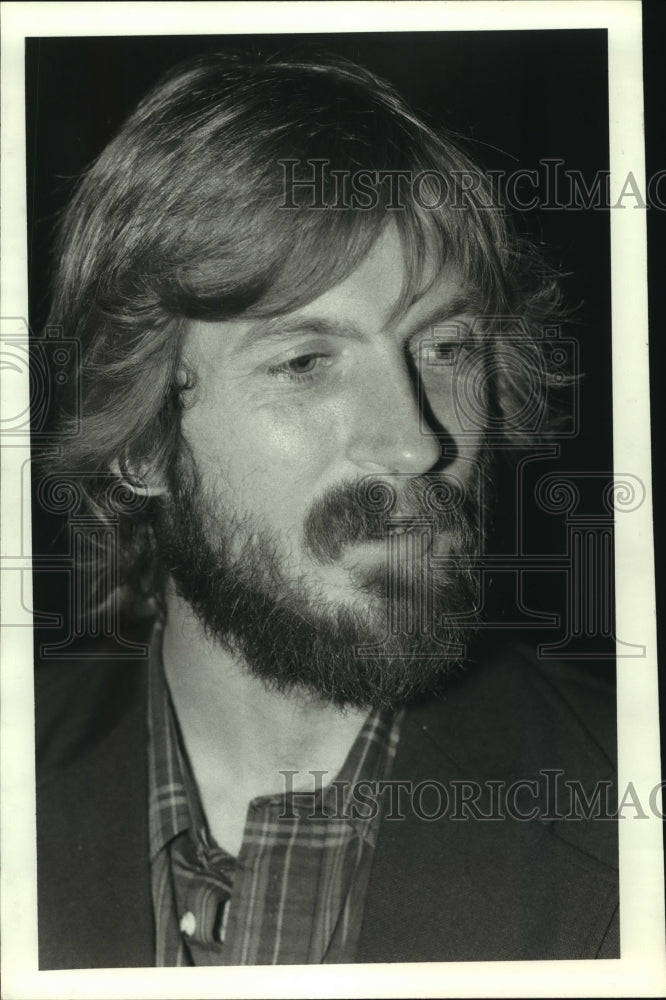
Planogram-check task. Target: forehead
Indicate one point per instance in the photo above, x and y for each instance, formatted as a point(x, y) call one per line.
point(383, 289)
point(369, 301)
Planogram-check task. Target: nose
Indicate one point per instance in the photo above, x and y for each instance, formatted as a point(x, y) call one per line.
point(395, 430)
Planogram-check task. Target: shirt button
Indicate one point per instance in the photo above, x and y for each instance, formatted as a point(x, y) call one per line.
point(188, 923)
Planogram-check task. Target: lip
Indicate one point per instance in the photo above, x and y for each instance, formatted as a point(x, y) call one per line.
point(376, 549)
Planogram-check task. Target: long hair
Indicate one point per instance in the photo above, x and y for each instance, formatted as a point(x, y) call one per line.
point(184, 216)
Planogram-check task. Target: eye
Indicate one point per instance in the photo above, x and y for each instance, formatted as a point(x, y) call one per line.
point(300, 367)
point(441, 353)
point(305, 363)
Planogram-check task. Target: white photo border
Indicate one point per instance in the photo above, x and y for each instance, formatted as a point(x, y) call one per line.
point(641, 970)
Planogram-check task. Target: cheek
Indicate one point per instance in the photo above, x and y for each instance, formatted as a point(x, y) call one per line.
point(276, 467)
point(297, 437)
point(265, 457)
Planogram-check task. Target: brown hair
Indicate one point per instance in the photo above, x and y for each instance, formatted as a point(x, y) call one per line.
point(180, 218)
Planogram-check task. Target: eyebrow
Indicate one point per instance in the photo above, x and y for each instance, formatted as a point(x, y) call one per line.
point(277, 326)
point(459, 304)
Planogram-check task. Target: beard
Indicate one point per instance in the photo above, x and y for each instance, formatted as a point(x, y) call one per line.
point(405, 631)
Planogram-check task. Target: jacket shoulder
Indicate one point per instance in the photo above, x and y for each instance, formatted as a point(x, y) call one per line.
point(501, 869)
point(518, 710)
point(93, 878)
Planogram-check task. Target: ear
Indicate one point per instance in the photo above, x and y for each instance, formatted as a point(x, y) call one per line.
point(138, 482)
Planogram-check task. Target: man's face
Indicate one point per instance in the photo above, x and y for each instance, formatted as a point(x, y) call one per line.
point(290, 425)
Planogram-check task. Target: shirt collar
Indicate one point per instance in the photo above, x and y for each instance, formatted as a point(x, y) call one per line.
point(175, 805)
point(169, 809)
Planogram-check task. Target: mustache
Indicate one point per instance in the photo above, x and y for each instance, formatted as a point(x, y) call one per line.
point(362, 511)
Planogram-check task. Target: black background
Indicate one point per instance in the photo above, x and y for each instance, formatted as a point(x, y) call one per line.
point(515, 97)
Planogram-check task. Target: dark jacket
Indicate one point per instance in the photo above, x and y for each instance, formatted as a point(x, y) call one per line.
point(453, 888)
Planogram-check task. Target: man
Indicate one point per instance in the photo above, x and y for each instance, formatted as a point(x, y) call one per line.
point(307, 337)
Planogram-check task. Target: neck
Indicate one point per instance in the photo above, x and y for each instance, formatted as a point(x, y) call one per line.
point(239, 735)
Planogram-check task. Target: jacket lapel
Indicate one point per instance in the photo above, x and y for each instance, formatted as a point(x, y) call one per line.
point(450, 889)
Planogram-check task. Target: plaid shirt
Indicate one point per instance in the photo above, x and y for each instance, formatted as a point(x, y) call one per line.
point(296, 892)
